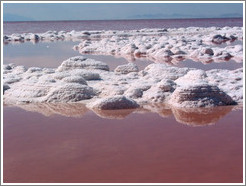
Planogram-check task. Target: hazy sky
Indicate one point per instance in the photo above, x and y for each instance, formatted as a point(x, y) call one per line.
point(104, 11)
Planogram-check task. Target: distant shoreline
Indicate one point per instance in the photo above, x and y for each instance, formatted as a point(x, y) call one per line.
point(121, 19)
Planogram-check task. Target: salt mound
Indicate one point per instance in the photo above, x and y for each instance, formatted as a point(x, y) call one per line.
point(69, 93)
point(162, 71)
point(80, 79)
point(80, 62)
point(75, 79)
point(160, 92)
point(113, 103)
point(125, 69)
point(199, 95)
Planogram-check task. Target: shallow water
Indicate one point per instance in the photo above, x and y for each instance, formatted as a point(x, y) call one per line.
point(138, 148)
point(43, 26)
point(51, 54)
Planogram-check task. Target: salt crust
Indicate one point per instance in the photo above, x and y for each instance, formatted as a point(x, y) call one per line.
point(160, 45)
point(79, 79)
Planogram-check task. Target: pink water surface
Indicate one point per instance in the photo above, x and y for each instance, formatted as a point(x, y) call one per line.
point(43, 26)
point(141, 148)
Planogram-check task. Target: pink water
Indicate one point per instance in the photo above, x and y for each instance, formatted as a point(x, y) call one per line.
point(140, 148)
point(43, 26)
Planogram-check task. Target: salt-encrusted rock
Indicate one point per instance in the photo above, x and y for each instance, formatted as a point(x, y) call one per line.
point(230, 81)
point(75, 79)
point(160, 92)
point(5, 87)
point(114, 103)
point(72, 92)
point(177, 51)
point(87, 74)
point(158, 83)
point(166, 85)
point(125, 69)
point(218, 39)
point(11, 78)
point(208, 51)
point(134, 92)
point(26, 92)
point(193, 76)
point(162, 71)
point(199, 95)
point(80, 62)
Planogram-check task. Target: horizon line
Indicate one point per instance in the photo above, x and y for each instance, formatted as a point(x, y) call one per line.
point(241, 17)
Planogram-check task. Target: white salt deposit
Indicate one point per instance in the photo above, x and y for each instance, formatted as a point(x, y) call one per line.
point(173, 44)
point(83, 80)
point(79, 79)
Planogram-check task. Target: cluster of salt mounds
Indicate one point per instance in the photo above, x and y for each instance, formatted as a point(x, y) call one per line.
point(163, 45)
point(171, 45)
point(79, 79)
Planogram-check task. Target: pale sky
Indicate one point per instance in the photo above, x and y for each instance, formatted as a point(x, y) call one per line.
point(112, 11)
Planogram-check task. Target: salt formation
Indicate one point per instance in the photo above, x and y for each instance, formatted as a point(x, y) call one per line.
point(125, 69)
point(91, 82)
point(164, 45)
point(114, 103)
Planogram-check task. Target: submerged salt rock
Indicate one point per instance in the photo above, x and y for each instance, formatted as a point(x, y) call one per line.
point(80, 62)
point(199, 95)
point(113, 103)
point(125, 69)
point(71, 92)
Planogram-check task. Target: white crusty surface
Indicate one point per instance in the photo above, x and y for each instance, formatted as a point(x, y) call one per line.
point(79, 79)
point(159, 45)
point(114, 103)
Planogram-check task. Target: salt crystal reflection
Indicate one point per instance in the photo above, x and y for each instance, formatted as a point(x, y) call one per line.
point(137, 147)
point(188, 116)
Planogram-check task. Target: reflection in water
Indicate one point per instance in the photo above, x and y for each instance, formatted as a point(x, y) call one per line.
point(170, 60)
point(200, 116)
point(142, 148)
point(191, 117)
point(113, 114)
point(64, 109)
point(55, 52)
point(161, 109)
